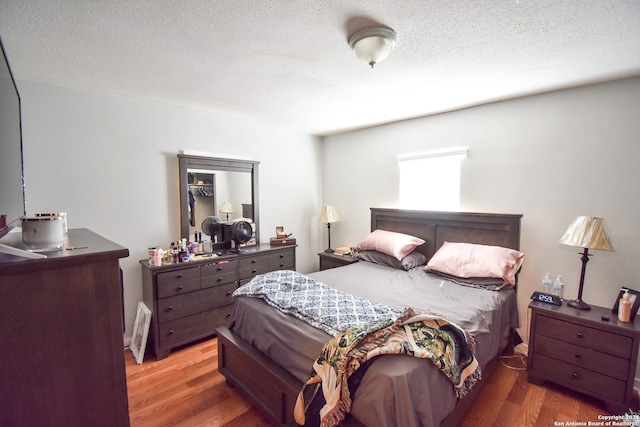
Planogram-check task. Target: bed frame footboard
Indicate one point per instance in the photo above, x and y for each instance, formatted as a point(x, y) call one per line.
point(265, 384)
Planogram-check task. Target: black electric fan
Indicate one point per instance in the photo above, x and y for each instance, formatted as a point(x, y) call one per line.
point(211, 226)
point(241, 232)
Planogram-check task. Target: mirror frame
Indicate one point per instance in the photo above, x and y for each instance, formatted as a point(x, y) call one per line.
point(187, 161)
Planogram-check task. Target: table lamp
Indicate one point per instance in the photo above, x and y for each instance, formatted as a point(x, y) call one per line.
point(588, 233)
point(328, 215)
point(227, 209)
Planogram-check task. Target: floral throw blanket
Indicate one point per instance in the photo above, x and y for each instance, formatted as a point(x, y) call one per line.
point(325, 398)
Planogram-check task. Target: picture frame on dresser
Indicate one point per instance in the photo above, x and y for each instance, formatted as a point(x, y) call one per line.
point(635, 301)
point(140, 332)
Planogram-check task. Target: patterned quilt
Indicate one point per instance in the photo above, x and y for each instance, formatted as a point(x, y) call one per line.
point(326, 396)
point(320, 305)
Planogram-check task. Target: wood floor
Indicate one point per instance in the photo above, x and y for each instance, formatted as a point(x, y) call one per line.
point(187, 390)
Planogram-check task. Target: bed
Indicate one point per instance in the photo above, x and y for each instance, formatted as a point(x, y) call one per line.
point(267, 354)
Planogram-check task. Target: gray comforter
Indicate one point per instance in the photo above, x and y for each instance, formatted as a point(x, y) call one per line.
point(396, 390)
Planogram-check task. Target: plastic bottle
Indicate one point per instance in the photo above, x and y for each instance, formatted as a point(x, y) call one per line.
point(558, 287)
point(547, 284)
point(624, 307)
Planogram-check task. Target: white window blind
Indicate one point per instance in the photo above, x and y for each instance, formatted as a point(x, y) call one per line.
point(431, 181)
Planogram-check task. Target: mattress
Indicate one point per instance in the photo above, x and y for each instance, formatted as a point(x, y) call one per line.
point(393, 390)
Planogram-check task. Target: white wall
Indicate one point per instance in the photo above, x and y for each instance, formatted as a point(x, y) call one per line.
point(110, 163)
point(550, 157)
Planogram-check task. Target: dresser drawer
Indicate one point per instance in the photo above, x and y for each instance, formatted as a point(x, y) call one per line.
point(253, 261)
point(181, 275)
point(219, 268)
point(195, 302)
point(577, 377)
point(249, 273)
point(219, 280)
point(596, 339)
point(283, 260)
point(177, 288)
point(583, 357)
point(219, 274)
point(192, 327)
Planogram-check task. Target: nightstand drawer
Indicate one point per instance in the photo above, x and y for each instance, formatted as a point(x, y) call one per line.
point(575, 376)
point(596, 339)
point(583, 357)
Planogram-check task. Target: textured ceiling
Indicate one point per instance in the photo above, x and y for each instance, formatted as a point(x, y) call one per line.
point(287, 63)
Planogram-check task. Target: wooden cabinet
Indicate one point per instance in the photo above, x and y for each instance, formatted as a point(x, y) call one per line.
point(579, 350)
point(61, 337)
point(190, 300)
point(328, 260)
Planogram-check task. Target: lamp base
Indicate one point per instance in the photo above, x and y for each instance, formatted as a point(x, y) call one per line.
point(329, 251)
point(579, 304)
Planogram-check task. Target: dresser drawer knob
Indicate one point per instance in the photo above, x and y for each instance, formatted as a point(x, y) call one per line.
point(179, 276)
point(253, 261)
point(170, 332)
point(170, 308)
point(220, 279)
point(219, 268)
point(254, 271)
point(229, 293)
point(228, 315)
point(578, 355)
point(575, 375)
point(180, 287)
point(281, 255)
point(579, 335)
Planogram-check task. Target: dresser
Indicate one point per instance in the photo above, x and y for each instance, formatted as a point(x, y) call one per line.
point(61, 336)
point(190, 300)
point(579, 350)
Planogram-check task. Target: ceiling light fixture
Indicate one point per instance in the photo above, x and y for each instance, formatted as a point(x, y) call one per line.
point(373, 44)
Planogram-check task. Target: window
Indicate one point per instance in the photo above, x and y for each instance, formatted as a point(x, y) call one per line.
point(431, 181)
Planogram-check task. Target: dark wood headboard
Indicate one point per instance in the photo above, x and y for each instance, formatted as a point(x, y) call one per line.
point(437, 227)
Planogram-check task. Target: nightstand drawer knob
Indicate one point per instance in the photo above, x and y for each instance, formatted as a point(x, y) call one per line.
point(578, 355)
point(579, 335)
point(575, 375)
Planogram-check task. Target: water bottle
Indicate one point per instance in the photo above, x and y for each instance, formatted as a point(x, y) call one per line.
point(547, 284)
point(558, 287)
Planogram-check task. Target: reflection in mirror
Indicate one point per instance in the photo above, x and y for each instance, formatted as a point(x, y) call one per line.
point(216, 187)
point(221, 193)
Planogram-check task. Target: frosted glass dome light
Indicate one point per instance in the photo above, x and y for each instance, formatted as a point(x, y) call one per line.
point(373, 44)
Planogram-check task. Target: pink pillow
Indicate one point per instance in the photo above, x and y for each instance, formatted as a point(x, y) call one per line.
point(470, 260)
point(397, 245)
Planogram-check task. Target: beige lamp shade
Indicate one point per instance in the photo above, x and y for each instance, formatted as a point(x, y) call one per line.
point(227, 208)
point(328, 215)
point(588, 232)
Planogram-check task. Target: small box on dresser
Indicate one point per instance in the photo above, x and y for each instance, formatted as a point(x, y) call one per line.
point(579, 350)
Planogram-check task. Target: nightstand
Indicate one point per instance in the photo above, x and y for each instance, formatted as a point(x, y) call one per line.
point(578, 350)
point(328, 260)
